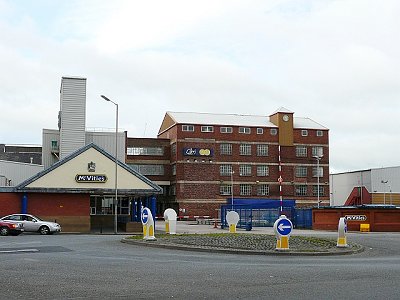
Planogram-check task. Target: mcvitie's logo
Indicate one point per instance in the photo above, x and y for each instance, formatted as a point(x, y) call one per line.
point(91, 178)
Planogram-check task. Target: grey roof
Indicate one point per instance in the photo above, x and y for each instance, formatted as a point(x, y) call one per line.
point(22, 187)
point(237, 120)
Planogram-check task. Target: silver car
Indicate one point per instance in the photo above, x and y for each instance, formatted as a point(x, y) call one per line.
point(34, 224)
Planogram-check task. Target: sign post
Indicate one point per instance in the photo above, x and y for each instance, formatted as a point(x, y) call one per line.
point(148, 224)
point(232, 217)
point(342, 231)
point(282, 228)
point(170, 221)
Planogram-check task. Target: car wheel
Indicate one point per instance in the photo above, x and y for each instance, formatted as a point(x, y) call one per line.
point(44, 230)
point(4, 231)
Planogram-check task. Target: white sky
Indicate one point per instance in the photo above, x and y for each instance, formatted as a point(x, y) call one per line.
point(337, 62)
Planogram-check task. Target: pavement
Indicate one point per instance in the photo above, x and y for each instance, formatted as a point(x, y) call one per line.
point(259, 241)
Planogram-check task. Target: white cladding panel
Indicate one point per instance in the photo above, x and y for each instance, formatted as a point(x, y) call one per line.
point(50, 145)
point(106, 141)
point(72, 114)
point(342, 184)
point(17, 172)
point(391, 175)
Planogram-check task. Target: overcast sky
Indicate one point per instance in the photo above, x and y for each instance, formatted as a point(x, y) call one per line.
point(336, 62)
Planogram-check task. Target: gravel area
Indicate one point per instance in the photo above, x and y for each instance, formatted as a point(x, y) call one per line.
point(246, 243)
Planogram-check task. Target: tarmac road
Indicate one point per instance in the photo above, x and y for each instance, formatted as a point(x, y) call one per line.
point(69, 266)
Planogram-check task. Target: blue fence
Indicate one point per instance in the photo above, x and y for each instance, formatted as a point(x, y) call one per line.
point(264, 213)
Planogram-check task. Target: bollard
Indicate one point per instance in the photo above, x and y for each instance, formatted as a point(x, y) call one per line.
point(170, 221)
point(148, 224)
point(282, 228)
point(342, 231)
point(232, 217)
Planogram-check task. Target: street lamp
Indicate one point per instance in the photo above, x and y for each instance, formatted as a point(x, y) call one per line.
point(318, 158)
point(384, 190)
point(116, 165)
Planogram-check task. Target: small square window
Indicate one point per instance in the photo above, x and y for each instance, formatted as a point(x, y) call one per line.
point(260, 131)
point(188, 128)
point(273, 131)
point(320, 133)
point(207, 129)
point(304, 132)
point(225, 130)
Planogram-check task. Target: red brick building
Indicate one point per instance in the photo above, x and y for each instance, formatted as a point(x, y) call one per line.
point(199, 157)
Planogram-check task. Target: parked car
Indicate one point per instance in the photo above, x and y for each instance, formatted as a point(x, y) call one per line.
point(33, 224)
point(13, 228)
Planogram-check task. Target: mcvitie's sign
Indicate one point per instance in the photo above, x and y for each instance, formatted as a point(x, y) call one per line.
point(356, 217)
point(90, 178)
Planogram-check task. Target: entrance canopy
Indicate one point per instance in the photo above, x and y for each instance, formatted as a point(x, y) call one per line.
point(89, 170)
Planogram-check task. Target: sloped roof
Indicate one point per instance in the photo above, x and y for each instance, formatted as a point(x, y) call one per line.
point(24, 186)
point(235, 120)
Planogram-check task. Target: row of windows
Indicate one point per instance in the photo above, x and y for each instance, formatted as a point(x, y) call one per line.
point(301, 151)
point(301, 171)
point(244, 149)
point(148, 169)
point(245, 170)
point(159, 151)
point(263, 190)
point(245, 189)
point(243, 130)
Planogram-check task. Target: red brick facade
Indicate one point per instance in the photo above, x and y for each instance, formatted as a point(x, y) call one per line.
point(196, 180)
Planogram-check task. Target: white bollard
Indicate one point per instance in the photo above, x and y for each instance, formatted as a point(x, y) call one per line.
point(170, 221)
point(232, 217)
point(148, 224)
point(342, 231)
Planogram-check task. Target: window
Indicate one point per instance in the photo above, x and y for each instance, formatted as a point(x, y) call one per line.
point(226, 130)
point(260, 131)
point(225, 170)
point(315, 190)
point(188, 128)
point(320, 172)
point(225, 149)
point(245, 130)
point(301, 151)
point(173, 169)
point(317, 151)
point(172, 190)
point(100, 205)
point(245, 170)
point(304, 132)
point(245, 149)
point(262, 150)
point(225, 189)
point(145, 151)
point(262, 170)
point(301, 190)
point(207, 129)
point(148, 169)
point(320, 133)
point(245, 189)
point(173, 149)
point(273, 131)
point(262, 190)
point(301, 171)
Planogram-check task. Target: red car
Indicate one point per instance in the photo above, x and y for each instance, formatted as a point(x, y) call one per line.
point(12, 228)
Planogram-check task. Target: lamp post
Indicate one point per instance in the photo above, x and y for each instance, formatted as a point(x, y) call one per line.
point(232, 172)
point(384, 190)
point(116, 165)
point(318, 158)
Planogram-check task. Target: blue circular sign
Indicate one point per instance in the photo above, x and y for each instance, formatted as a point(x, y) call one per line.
point(284, 226)
point(145, 216)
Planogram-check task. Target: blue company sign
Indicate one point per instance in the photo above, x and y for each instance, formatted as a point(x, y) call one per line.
point(197, 152)
point(90, 178)
point(284, 227)
point(145, 216)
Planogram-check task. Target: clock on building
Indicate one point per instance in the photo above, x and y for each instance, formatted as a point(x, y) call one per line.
point(285, 118)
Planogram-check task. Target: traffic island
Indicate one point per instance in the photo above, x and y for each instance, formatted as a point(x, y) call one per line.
point(241, 243)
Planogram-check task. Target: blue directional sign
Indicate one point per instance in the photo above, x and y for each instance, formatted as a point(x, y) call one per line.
point(145, 216)
point(284, 226)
